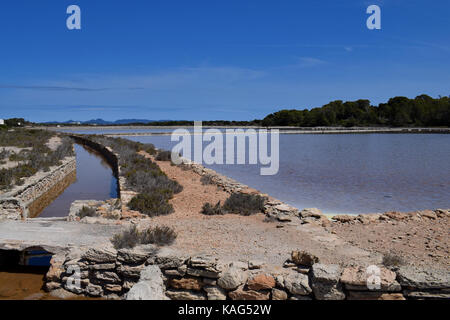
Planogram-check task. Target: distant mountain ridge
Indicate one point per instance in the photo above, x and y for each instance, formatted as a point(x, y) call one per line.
point(103, 122)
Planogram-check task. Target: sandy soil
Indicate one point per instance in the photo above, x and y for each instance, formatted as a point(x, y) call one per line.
point(424, 242)
point(234, 237)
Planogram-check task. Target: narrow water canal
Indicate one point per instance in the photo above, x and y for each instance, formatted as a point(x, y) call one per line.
point(94, 181)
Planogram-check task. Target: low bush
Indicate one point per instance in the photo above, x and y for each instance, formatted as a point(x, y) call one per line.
point(40, 157)
point(164, 155)
point(87, 212)
point(210, 210)
point(131, 237)
point(244, 204)
point(159, 235)
point(151, 204)
point(206, 179)
point(237, 203)
point(392, 260)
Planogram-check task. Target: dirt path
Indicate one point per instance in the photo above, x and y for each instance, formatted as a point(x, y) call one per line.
point(234, 237)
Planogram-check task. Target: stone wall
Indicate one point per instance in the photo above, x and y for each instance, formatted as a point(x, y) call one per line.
point(15, 203)
point(147, 273)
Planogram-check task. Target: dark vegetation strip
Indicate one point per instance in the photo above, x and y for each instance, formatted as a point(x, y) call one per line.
point(142, 175)
point(129, 238)
point(30, 161)
point(237, 203)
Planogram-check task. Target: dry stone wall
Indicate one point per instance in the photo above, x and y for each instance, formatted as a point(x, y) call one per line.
point(149, 273)
point(15, 203)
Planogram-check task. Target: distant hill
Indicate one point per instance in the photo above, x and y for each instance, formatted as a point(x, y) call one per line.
point(103, 122)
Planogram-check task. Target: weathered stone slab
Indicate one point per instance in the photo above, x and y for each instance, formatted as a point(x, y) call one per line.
point(232, 278)
point(297, 284)
point(241, 294)
point(325, 282)
point(356, 278)
point(149, 287)
point(415, 278)
point(261, 282)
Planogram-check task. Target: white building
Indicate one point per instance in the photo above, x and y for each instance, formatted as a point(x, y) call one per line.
point(2, 122)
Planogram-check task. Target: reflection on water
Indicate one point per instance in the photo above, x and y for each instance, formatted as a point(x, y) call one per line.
point(352, 173)
point(94, 181)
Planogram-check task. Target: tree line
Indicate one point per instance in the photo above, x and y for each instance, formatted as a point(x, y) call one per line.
point(397, 112)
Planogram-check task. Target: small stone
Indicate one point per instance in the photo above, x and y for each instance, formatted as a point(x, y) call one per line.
point(94, 290)
point(215, 293)
point(187, 284)
point(311, 212)
point(303, 258)
point(184, 295)
point(297, 283)
point(232, 278)
point(254, 264)
point(261, 282)
point(100, 255)
point(240, 294)
point(279, 294)
point(364, 295)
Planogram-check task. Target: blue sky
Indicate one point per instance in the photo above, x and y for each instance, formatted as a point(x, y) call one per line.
point(204, 60)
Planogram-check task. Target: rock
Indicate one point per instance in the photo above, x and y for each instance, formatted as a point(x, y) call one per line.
point(303, 258)
point(278, 294)
point(107, 276)
point(215, 293)
point(100, 255)
point(130, 271)
point(136, 255)
point(441, 213)
point(344, 218)
point(311, 212)
point(325, 282)
point(432, 294)
point(297, 283)
point(240, 294)
point(398, 216)
point(232, 278)
point(254, 264)
point(298, 297)
point(186, 284)
point(50, 286)
point(239, 264)
point(203, 273)
point(428, 214)
point(94, 290)
point(364, 295)
point(283, 217)
point(203, 261)
point(63, 294)
point(355, 278)
point(56, 270)
point(261, 282)
point(280, 281)
point(113, 288)
point(149, 287)
point(184, 295)
point(167, 259)
point(210, 282)
point(415, 278)
point(104, 266)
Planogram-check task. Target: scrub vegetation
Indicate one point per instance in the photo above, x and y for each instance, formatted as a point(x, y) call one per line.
point(29, 154)
point(131, 237)
point(142, 176)
point(237, 203)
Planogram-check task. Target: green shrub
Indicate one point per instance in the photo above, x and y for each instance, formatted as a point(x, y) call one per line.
point(87, 212)
point(210, 210)
point(131, 237)
point(244, 204)
point(153, 204)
